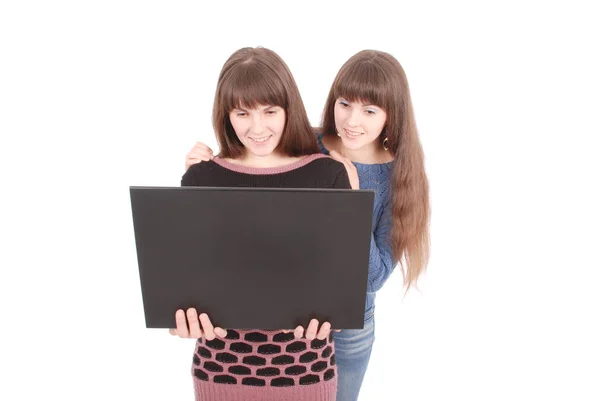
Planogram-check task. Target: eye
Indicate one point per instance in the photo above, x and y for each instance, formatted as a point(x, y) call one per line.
point(371, 111)
point(344, 103)
point(271, 112)
point(240, 113)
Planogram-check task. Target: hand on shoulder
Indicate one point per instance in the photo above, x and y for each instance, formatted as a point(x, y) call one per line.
point(350, 169)
point(199, 153)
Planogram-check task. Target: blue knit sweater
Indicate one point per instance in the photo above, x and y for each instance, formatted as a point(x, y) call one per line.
point(381, 262)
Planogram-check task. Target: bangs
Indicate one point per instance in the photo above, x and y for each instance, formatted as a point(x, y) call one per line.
point(364, 82)
point(246, 86)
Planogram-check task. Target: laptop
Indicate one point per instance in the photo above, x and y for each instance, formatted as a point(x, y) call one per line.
point(253, 258)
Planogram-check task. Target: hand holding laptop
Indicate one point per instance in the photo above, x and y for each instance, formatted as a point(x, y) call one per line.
point(195, 326)
point(192, 325)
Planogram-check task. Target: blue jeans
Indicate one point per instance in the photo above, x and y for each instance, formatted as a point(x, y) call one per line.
point(352, 354)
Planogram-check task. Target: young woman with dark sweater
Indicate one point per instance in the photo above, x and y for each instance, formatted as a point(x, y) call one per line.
point(266, 141)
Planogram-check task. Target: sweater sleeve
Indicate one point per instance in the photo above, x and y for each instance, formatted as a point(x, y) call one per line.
point(381, 261)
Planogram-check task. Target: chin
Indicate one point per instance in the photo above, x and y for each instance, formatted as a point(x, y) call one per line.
point(353, 145)
point(262, 152)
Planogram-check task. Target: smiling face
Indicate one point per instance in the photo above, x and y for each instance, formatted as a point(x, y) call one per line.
point(258, 129)
point(358, 124)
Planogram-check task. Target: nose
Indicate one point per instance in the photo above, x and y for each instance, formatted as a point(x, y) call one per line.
point(354, 118)
point(258, 124)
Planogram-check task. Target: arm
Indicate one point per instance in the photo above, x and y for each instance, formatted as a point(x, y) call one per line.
point(381, 261)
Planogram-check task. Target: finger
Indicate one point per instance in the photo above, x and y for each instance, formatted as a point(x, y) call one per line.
point(346, 162)
point(285, 331)
point(311, 330)
point(201, 150)
point(220, 332)
point(173, 332)
point(298, 332)
point(192, 317)
point(336, 156)
point(203, 155)
point(180, 320)
point(195, 160)
point(341, 159)
point(337, 330)
point(203, 146)
point(189, 162)
point(324, 331)
point(207, 327)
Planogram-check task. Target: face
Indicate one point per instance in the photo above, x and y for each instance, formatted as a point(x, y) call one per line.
point(358, 124)
point(258, 129)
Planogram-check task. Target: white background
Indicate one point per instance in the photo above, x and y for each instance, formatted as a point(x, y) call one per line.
point(99, 95)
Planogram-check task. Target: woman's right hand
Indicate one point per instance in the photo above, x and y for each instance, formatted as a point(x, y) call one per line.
point(312, 331)
point(199, 153)
point(350, 169)
point(190, 325)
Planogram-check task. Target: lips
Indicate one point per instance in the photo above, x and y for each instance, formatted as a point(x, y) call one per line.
point(260, 140)
point(352, 134)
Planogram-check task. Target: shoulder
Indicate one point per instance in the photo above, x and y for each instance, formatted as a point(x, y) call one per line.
point(323, 162)
point(330, 170)
point(321, 171)
point(204, 167)
point(198, 173)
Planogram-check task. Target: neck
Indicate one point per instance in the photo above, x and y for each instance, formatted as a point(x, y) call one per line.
point(270, 161)
point(369, 154)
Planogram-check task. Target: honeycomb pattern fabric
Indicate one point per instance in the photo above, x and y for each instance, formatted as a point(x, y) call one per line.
point(264, 365)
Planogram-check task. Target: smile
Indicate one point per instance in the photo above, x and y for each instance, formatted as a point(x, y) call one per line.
point(352, 133)
point(260, 140)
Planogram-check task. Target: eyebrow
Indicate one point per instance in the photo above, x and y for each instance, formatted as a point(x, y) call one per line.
point(264, 108)
point(363, 105)
point(370, 105)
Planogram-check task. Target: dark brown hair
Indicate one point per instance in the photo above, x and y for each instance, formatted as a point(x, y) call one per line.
point(258, 76)
point(376, 77)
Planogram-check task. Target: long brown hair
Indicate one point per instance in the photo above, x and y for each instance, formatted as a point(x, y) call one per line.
point(258, 76)
point(376, 77)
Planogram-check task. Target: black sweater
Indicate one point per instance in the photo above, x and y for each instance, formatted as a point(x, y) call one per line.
point(314, 171)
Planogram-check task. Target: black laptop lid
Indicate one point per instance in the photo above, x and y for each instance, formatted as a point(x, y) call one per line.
point(253, 257)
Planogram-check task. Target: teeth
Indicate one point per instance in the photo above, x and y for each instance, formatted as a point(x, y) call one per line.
point(260, 139)
point(351, 133)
